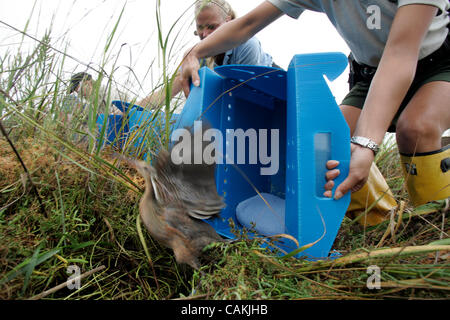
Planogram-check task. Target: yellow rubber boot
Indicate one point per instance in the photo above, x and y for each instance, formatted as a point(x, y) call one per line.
point(427, 175)
point(375, 197)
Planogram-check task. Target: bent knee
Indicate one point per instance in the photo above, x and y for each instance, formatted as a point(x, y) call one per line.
point(417, 133)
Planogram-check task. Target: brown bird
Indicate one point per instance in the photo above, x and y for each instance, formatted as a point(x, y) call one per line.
point(176, 200)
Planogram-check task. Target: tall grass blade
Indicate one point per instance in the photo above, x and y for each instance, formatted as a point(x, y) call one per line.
point(22, 267)
point(30, 268)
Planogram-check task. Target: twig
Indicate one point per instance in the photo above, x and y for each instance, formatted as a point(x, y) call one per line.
point(382, 253)
point(436, 258)
point(112, 237)
point(33, 186)
point(20, 197)
point(390, 228)
point(62, 285)
point(200, 296)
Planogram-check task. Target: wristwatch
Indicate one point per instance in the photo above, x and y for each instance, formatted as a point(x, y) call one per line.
point(366, 143)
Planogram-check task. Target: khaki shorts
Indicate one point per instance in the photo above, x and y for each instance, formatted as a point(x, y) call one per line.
point(429, 72)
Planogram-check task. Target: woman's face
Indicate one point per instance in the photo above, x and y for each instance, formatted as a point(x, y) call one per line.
point(208, 20)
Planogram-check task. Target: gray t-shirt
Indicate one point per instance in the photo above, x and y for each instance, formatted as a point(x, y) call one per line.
point(365, 24)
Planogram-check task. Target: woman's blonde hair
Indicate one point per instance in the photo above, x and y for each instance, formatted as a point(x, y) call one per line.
point(225, 7)
point(225, 10)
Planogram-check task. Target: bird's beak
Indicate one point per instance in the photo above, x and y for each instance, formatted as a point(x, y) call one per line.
point(149, 174)
point(155, 189)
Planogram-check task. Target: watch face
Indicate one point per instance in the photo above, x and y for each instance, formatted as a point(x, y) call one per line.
point(366, 143)
point(373, 146)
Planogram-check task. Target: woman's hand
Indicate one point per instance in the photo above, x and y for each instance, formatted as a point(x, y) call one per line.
point(360, 163)
point(189, 70)
point(226, 37)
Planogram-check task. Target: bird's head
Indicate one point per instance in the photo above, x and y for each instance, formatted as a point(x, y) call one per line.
point(143, 168)
point(147, 172)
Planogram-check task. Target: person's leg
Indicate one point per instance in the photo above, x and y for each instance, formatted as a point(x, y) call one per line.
point(351, 115)
point(425, 163)
point(427, 115)
point(375, 194)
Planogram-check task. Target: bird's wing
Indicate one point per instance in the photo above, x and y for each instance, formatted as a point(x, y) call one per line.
point(198, 232)
point(193, 185)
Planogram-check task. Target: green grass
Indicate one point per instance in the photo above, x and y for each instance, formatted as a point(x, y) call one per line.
point(90, 210)
point(92, 222)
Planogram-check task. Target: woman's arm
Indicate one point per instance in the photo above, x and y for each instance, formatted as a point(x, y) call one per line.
point(228, 36)
point(389, 86)
point(396, 70)
point(158, 98)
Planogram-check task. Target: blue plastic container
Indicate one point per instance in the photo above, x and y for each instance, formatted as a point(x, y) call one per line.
point(134, 117)
point(144, 127)
point(116, 129)
point(115, 133)
point(126, 107)
point(300, 107)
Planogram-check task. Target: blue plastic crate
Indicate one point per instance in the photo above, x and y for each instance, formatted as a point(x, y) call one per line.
point(115, 133)
point(116, 129)
point(133, 118)
point(126, 107)
point(311, 130)
point(146, 126)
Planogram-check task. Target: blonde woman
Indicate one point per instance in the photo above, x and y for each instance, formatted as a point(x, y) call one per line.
point(209, 16)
